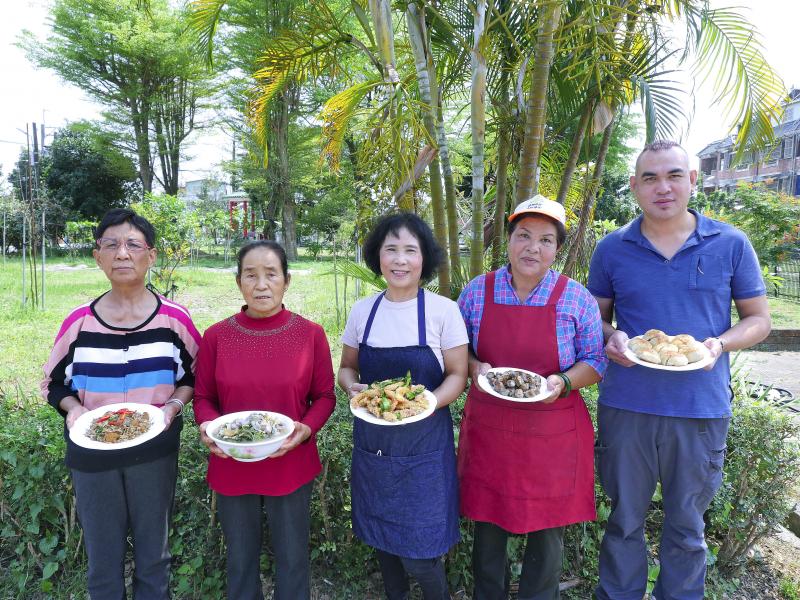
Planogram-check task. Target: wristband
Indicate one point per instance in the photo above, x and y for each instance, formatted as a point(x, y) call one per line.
point(180, 404)
point(721, 342)
point(567, 385)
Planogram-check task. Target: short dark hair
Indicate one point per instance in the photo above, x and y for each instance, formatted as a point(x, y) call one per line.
point(118, 216)
point(658, 146)
point(269, 245)
point(561, 231)
point(432, 253)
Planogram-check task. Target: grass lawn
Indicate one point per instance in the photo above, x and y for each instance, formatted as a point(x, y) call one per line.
point(785, 313)
point(210, 293)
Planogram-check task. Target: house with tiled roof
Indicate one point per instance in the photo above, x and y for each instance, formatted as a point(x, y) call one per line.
point(777, 168)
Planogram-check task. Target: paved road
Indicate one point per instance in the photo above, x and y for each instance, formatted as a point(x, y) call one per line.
point(780, 369)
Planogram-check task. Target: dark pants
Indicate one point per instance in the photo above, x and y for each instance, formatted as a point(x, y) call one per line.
point(109, 503)
point(634, 451)
point(289, 522)
point(541, 564)
point(429, 573)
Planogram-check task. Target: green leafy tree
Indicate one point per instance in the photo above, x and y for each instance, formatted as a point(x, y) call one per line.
point(136, 61)
point(770, 219)
point(86, 175)
point(175, 229)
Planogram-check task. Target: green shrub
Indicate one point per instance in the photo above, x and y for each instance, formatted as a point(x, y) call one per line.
point(41, 546)
point(761, 470)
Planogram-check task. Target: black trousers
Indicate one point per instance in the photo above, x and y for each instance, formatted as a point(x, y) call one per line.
point(289, 520)
point(110, 503)
point(541, 564)
point(429, 573)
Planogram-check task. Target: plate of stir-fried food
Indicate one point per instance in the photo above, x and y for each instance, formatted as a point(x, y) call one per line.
point(117, 426)
point(393, 402)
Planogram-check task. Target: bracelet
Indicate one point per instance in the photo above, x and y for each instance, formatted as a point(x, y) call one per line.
point(721, 342)
point(179, 402)
point(567, 384)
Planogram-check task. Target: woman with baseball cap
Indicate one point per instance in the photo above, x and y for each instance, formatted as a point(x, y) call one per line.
point(527, 467)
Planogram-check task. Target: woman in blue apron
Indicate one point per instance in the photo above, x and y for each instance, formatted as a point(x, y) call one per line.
point(404, 485)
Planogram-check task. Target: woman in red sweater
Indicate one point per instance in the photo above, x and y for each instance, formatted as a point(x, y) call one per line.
point(265, 358)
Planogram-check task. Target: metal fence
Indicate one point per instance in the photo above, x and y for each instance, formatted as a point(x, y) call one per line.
point(790, 272)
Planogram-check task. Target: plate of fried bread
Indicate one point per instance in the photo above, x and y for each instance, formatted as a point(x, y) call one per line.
point(656, 349)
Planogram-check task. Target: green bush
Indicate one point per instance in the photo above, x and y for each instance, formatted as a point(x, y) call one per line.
point(41, 547)
point(762, 467)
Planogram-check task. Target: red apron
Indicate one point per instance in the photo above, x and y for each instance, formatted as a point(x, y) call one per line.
point(524, 466)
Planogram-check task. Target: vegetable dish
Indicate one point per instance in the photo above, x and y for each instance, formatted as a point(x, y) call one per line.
point(392, 399)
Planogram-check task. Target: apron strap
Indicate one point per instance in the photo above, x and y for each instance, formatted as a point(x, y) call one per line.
point(558, 289)
point(421, 332)
point(372, 317)
point(423, 336)
point(488, 293)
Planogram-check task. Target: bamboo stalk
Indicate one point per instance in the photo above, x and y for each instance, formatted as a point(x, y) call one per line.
point(478, 126)
point(423, 62)
point(536, 110)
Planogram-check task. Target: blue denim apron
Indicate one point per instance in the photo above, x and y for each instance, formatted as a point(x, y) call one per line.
point(404, 484)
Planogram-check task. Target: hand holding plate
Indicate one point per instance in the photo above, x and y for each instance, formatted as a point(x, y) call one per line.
point(556, 385)
point(715, 348)
point(73, 414)
point(615, 349)
point(477, 369)
point(209, 442)
point(300, 434)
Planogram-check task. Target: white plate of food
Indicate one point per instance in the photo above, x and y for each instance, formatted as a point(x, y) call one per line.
point(516, 385)
point(117, 426)
point(655, 349)
point(250, 435)
point(393, 402)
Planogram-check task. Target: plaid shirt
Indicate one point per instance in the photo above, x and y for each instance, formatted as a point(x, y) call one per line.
point(579, 328)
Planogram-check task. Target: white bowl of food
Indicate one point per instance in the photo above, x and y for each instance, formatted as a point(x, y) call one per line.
point(250, 435)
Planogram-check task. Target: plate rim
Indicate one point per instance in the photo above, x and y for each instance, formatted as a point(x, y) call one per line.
point(695, 366)
point(77, 432)
point(483, 383)
point(248, 411)
point(365, 415)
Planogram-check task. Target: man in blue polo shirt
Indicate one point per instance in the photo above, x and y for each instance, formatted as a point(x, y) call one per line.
point(675, 270)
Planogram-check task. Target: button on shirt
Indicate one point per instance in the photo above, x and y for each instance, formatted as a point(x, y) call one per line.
point(689, 293)
point(578, 324)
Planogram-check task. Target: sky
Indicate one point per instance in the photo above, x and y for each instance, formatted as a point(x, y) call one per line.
point(32, 95)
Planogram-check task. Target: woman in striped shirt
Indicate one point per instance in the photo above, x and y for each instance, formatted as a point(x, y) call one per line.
point(128, 345)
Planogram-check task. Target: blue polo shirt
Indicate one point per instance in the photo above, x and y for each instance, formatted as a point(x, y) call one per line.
point(689, 293)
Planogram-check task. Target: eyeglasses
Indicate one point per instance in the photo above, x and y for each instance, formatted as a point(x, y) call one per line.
point(133, 246)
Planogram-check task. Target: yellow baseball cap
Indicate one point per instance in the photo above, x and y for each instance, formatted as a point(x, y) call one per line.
point(542, 206)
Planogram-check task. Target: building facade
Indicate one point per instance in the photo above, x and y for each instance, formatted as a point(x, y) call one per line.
point(777, 168)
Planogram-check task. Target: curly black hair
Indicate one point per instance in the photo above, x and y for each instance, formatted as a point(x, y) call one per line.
point(432, 253)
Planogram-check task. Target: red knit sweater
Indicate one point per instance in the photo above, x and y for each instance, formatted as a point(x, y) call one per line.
point(280, 363)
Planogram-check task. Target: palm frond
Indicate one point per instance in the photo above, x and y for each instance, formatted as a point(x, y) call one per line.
point(204, 17)
point(335, 116)
point(359, 272)
point(730, 56)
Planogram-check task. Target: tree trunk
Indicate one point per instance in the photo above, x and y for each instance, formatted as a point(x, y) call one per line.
point(140, 119)
point(278, 169)
point(453, 246)
point(536, 109)
point(478, 126)
point(571, 263)
point(422, 60)
point(574, 153)
point(501, 194)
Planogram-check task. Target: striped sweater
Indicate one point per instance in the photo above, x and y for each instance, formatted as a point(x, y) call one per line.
point(101, 364)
